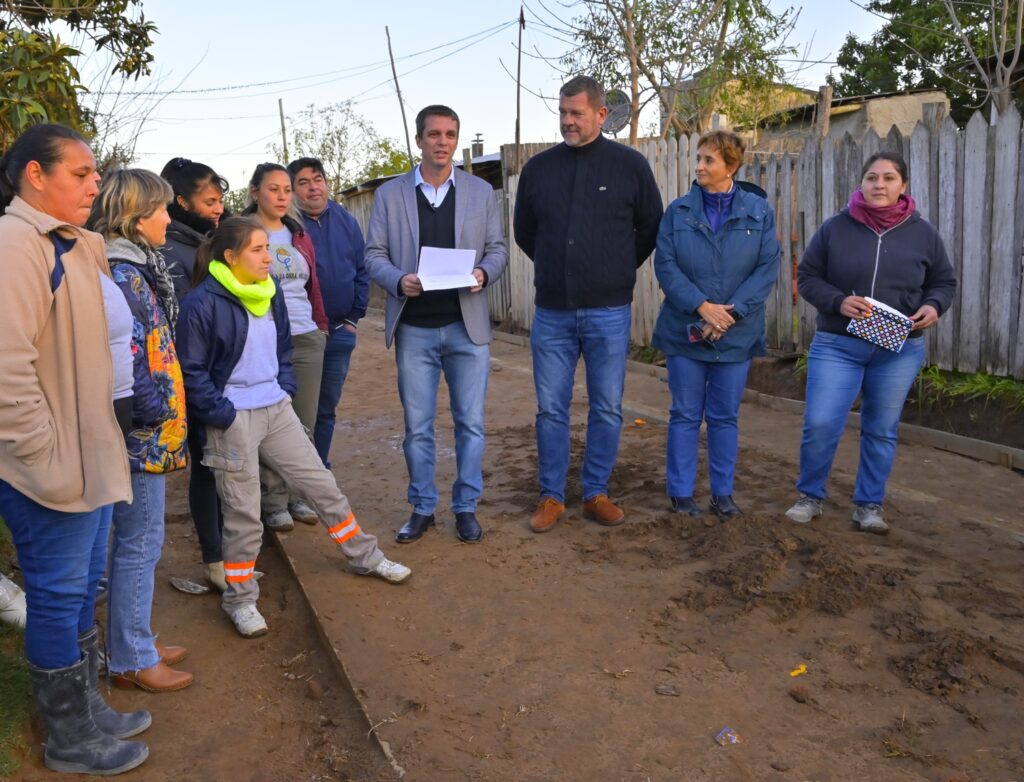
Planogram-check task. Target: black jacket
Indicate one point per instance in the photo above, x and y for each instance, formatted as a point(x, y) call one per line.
point(588, 217)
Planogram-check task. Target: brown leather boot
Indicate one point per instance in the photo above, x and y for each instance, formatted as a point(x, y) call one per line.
point(159, 678)
point(603, 511)
point(170, 655)
point(547, 514)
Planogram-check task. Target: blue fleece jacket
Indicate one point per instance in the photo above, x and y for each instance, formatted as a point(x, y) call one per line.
point(344, 281)
point(736, 265)
point(904, 267)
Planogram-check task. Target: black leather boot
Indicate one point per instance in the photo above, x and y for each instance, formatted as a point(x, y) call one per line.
point(75, 745)
point(113, 723)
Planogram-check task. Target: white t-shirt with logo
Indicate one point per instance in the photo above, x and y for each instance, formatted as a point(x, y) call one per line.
point(288, 266)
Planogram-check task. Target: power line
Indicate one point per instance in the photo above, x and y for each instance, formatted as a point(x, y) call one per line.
point(351, 71)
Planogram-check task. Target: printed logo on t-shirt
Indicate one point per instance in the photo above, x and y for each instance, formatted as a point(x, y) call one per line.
point(283, 257)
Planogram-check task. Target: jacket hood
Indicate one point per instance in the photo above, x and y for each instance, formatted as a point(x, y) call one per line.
point(120, 249)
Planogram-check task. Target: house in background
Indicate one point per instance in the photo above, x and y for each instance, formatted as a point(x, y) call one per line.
point(733, 105)
point(788, 130)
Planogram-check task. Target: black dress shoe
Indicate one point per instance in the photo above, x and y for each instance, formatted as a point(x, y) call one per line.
point(686, 505)
point(467, 527)
point(414, 528)
point(723, 507)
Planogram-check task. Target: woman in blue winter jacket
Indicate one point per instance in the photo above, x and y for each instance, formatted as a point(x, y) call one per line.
point(877, 249)
point(236, 356)
point(716, 261)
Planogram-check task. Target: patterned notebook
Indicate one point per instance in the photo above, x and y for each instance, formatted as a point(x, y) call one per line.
point(885, 327)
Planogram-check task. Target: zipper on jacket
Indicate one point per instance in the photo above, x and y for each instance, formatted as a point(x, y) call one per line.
point(878, 249)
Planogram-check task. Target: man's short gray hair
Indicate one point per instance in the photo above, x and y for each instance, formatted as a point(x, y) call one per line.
point(585, 84)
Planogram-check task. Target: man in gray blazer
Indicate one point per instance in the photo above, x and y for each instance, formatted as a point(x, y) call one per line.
point(437, 205)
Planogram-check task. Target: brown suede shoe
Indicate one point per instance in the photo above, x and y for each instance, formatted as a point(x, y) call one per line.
point(170, 655)
point(547, 514)
point(159, 678)
point(603, 511)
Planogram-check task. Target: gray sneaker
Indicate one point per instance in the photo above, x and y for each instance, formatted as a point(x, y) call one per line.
point(868, 518)
point(300, 511)
point(279, 521)
point(804, 509)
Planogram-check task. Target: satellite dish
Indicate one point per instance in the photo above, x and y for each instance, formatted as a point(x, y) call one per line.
point(619, 112)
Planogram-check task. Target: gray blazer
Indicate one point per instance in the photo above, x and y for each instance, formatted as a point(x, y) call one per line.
point(393, 239)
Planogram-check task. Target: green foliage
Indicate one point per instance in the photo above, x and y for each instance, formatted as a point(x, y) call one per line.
point(386, 159)
point(236, 200)
point(649, 47)
point(918, 47)
point(942, 388)
point(347, 143)
point(15, 692)
point(41, 82)
point(15, 697)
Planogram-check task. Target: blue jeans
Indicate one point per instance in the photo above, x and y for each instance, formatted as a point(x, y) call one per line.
point(839, 368)
point(557, 340)
point(138, 540)
point(337, 355)
point(422, 355)
point(62, 557)
point(703, 390)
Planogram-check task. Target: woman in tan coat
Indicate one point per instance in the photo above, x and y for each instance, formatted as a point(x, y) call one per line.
point(62, 457)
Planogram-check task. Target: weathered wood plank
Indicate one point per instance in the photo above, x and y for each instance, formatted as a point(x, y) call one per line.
point(919, 162)
point(1004, 255)
point(784, 281)
point(1017, 349)
point(949, 191)
point(828, 179)
point(809, 209)
point(974, 247)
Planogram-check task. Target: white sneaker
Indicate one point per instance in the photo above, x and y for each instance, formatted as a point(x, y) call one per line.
point(279, 521)
point(300, 511)
point(391, 572)
point(248, 620)
point(12, 603)
point(804, 509)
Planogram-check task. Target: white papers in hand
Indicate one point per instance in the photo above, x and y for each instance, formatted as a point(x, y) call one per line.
point(442, 269)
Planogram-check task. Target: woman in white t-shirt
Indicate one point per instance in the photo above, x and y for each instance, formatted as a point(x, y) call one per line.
point(293, 265)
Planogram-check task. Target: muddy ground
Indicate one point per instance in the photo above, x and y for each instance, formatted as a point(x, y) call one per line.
point(616, 654)
point(542, 657)
point(272, 709)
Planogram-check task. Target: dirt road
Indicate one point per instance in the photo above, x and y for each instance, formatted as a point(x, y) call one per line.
point(542, 657)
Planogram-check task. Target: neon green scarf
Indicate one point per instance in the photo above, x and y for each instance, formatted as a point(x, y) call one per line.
point(255, 297)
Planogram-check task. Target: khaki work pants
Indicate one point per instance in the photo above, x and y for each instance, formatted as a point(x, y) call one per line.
point(273, 435)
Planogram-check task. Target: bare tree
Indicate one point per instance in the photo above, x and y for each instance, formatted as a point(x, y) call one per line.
point(650, 47)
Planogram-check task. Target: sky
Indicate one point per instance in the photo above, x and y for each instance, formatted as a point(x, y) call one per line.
point(454, 52)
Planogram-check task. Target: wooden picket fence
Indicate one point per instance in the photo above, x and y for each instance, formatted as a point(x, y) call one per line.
point(967, 182)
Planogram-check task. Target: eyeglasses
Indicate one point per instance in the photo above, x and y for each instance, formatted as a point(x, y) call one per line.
point(180, 162)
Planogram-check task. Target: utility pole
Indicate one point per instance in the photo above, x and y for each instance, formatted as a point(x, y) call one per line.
point(284, 138)
point(519, 71)
point(398, 89)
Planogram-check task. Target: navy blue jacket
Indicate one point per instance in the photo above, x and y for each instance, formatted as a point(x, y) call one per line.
point(737, 266)
point(212, 328)
point(904, 267)
point(344, 281)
